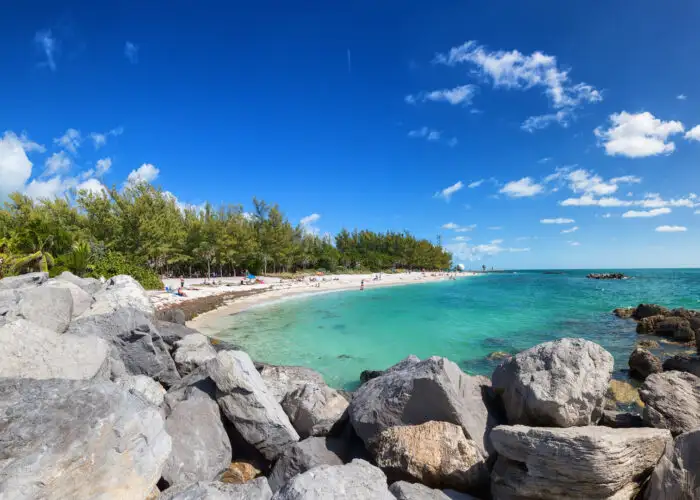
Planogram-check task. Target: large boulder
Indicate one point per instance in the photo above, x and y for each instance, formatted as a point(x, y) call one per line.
point(677, 475)
point(620, 420)
point(646, 310)
point(403, 490)
point(143, 386)
point(642, 363)
point(201, 448)
point(257, 489)
point(74, 439)
point(134, 340)
point(49, 307)
point(437, 454)
point(247, 404)
point(433, 389)
point(172, 332)
point(573, 463)
point(281, 380)
point(648, 324)
point(81, 299)
point(89, 285)
point(401, 365)
point(120, 292)
point(676, 327)
point(314, 409)
point(196, 385)
point(28, 350)
point(683, 363)
point(192, 351)
point(624, 312)
point(305, 455)
point(561, 383)
point(174, 315)
point(352, 481)
point(672, 401)
point(23, 281)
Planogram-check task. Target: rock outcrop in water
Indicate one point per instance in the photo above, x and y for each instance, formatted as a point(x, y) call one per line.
point(84, 414)
point(606, 276)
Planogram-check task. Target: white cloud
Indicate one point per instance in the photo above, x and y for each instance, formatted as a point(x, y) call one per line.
point(462, 238)
point(100, 140)
point(539, 122)
point(57, 162)
point(681, 97)
point(102, 166)
point(131, 52)
point(671, 229)
point(145, 173)
point(646, 213)
point(28, 145)
point(71, 140)
point(587, 200)
point(450, 225)
point(92, 186)
point(546, 159)
point(458, 95)
point(47, 44)
point(447, 193)
point(574, 243)
point(583, 181)
point(15, 167)
point(693, 134)
point(638, 135)
point(626, 179)
point(464, 229)
point(654, 200)
point(571, 230)
point(464, 251)
point(522, 188)
point(476, 184)
point(558, 220)
point(52, 188)
point(308, 224)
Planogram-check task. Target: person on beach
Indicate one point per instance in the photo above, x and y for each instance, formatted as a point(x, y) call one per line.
point(362, 285)
point(182, 282)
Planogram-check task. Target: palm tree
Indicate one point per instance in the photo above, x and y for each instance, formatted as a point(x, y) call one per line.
point(79, 259)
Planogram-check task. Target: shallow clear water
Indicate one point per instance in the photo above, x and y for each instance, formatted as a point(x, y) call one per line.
point(341, 334)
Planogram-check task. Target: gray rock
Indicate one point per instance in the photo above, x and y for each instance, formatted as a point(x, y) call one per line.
point(678, 328)
point(81, 299)
point(433, 389)
point(23, 280)
point(573, 463)
point(281, 380)
point(677, 476)
point(172, 332)
point(353, 481)
point(197, 384)
point(642, 363)
point(192, 351)
point(416, 491)
point(201, 448)
point(89, 285)
point(31, 351)
point(49, 307)
point(313, 409)
point(120, 292)
point(144, 387)
point(407, 362)
point(74, 439)
point(304, 455)
point(172, 316)
point(672, 401)
point(620, 420)
point(683, 363)
point(248, 405)
point(257, 489)
point(561, 383)
point(133, 339)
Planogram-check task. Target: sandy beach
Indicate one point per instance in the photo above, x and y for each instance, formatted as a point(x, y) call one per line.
point(275, 289)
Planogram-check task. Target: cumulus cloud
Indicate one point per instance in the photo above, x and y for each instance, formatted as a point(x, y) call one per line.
point(671, 229)
point(92, 186)
point(46, 43)
point(308, 223)
point(70, 141)
point(523, 188)
point(655, 212)
point(693, 134)
point(637, 135)
point(102, 166)
point(465, 251)
point(446, 194)
point(15, 167)
point(56, 163)
point(558, 220)
point(462, 94)
point(145, 173)
point(28, 145)
point(570, 230)
point(131, 52)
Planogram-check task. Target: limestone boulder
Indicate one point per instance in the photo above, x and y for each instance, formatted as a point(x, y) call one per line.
point(672, 401)
point(677, 475)
point(401, 365)
point(172, 316)
point(144, 387)
point(305, 455)
point(247, 404)
point(403, 490)
point(314, 409)
point(281, 380)
point(643, 311)
point(28, 350)
point(90, 285)
point(192, 351)
point(642, 363)
point(432, 389)
point(23, 281)
point(561, 383)
point(196, 385)
point(257, 489)
point(591, 462)
point(352, 481)
point(75, 439)
point(436, 454)
point(81, 299)
point(120, 292)
point(683, 363)
point(172, 332)
point(49, 307)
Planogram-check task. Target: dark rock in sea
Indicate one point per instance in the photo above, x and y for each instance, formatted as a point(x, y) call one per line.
point(367, 375)
point(684, 313)
point(645, 310)
point(642, 363)
point(344, 356)
point(675, 327)
point(621, 420)
point(683, 363)
point(647, 325)
point(648, 344)
point(677, 474)
point(498, 355)
point(624, 312)
point(672, 401)
point(606, 276)
point(304, 455)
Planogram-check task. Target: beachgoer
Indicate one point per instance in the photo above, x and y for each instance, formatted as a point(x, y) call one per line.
point(362, 285)
point(181, 293)
point(182, 282)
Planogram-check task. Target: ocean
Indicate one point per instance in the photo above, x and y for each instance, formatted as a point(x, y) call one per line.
point(341, 334)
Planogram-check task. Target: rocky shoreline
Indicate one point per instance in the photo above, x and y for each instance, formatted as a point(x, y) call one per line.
point(102, 398)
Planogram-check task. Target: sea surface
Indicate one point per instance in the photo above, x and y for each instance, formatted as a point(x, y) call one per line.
point(341, 334)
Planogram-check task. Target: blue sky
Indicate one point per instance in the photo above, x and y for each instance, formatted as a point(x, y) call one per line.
point(377, 115)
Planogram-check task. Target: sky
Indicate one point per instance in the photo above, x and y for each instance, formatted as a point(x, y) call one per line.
point(541, 134)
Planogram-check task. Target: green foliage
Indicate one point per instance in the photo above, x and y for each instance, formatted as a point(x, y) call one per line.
point(78, 260)
point(114, 263)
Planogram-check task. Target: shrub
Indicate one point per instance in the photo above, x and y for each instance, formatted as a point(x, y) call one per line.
point(113, 263)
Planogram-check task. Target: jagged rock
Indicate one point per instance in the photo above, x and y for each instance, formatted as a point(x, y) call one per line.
point(23, 281)
point(249, 406)
point(498, 355)
point(416, 491)
point(647, 325)
point(121, 292)
point(677, 476)
point(437, 454)
point(90, 285)
point(46, 306)
point(191, 352)
point(561, 383)
point(143, 386)
point(176, 316)
point(672, 401)
point(134, 340)
point(197, 384)
point(675, 327)
point(215, 490)
point(353, 481)
point(589, 462)
point(642, 363)
point(81, 299)
point(646, 310)
point(648, 344)
point(313, 409)
point(73, 439)
point(172, 332)
point(239, 472)
point(401, 365)
point(369, 375)
point(620, 420)
point(31, 351)
point(281, 380)
point(304, 455)
point(624, 312)
point(201, 448)
point(683, 363)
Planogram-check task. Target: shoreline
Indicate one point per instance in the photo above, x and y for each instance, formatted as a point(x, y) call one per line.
point(209, 323)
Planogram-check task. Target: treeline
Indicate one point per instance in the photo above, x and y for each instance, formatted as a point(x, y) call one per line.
point(144, 232)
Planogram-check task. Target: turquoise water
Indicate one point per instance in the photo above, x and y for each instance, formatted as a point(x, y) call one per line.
point(341, 334)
